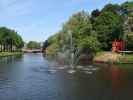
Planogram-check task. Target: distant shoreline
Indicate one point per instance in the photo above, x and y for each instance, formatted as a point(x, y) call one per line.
point(6, 54)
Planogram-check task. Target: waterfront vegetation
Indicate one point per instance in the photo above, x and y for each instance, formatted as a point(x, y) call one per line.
point(11, 42)
point(33, 45)
point(67, 69)
point(93, 33)
point(112, 57)
point(5, 54)
point(126, 58)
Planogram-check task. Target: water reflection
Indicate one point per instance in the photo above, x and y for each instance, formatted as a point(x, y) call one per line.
point(118, 77)
point(10, 59)
point(32, 77)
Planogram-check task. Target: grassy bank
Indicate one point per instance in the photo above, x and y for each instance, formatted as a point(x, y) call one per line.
point(126, 58)
point(110, 57)
point(5, 54)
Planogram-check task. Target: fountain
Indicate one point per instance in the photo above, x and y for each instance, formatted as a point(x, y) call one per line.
point(74, 54)
point(68, 58)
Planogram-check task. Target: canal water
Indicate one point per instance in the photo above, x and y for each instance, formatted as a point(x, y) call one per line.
point(32, 77)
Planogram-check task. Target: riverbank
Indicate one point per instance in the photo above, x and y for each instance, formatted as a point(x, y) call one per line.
point(5, 54)
point(111, 57)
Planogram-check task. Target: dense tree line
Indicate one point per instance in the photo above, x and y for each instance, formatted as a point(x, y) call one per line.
point(33, 45)
point(10, 40)
point(95, 31)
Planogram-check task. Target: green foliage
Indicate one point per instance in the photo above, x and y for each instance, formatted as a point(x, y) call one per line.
point(80, 26)
point(109, 27)
point(9, 39)
point(114, 8)
point(53, 39)
point(126, 58)
point(5, 54)
point(129, 41)
point(94, 15)
point(53, 49)
point(127, 5)
point(92, 32)
point(33, 45)
point(127, 9)
point(89, 44)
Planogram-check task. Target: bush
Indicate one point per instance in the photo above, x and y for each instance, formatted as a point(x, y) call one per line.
point(89, 44)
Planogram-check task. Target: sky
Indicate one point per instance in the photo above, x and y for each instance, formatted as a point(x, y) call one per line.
point(38, 19)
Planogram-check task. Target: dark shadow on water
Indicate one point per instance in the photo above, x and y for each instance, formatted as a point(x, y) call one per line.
point(10, 59)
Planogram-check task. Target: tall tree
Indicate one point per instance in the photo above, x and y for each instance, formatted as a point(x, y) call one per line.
point(109, 27)
point(10, 39)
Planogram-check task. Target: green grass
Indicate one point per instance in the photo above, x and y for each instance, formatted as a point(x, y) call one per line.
point(114, 57)
point(126, 58)
point(5, 54)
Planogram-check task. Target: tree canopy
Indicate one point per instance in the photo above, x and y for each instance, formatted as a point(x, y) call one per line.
point(10, 40)
point(95, 31)
point(109, 26)
point(33, 45)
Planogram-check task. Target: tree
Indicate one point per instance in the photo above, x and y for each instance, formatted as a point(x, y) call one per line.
point(109, 27)
point(127, 9)
point(91, 33)
point(129, 42)
point(80, 26)
point(77, 28)
point(114, 8)
point(89, 44)
point(9, 39)
point(127, 5)
point(94, 15)
point(33, 45)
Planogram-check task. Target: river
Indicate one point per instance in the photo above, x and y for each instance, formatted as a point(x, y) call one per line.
point(32, 77)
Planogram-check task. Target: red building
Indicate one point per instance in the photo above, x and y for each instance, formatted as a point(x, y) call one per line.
point(118, 45)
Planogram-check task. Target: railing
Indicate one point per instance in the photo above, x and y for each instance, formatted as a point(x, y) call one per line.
point(32, 50)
